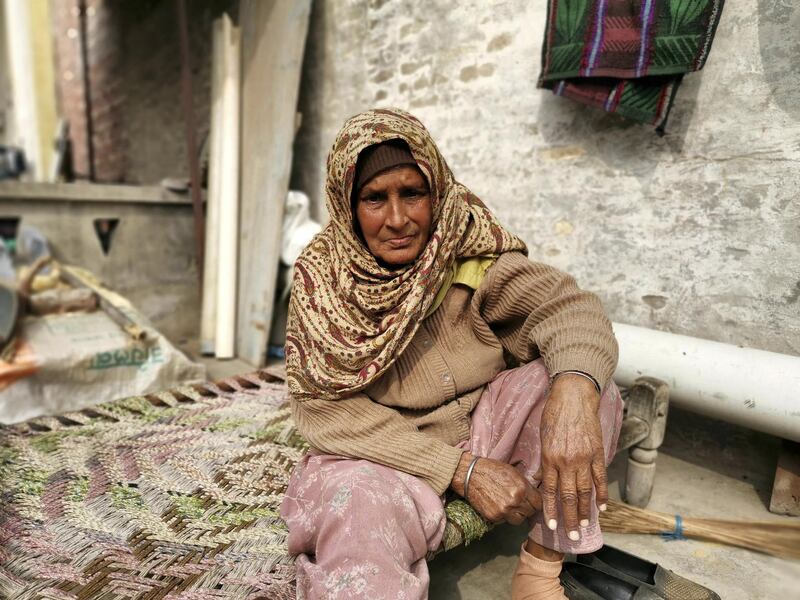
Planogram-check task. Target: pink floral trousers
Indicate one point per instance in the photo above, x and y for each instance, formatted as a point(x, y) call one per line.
point(362, 530)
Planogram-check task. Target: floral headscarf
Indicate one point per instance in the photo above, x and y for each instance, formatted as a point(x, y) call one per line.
point(350, 317)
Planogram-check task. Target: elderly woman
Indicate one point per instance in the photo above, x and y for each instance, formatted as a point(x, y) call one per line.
point(407, 311)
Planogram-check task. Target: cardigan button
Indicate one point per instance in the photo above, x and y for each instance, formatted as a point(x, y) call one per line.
point(426, 343)
point(446, 377)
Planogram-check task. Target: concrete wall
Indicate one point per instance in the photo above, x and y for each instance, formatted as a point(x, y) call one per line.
point(696, 233)
point(151, 258)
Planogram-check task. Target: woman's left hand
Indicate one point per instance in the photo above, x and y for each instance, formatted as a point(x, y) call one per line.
point(572, 454)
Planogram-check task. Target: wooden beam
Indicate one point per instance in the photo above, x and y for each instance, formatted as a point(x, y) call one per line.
point(44, 81)
point(273, 40)
point(90, 192)
point(191, 146)
point(228, 243)
point(208, 323)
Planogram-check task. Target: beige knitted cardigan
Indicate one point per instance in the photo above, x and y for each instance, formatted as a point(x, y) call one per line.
point(412, 417)
point(349, 316)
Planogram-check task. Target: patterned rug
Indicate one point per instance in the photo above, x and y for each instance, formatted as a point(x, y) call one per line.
point(626, 56)
point(172, 495)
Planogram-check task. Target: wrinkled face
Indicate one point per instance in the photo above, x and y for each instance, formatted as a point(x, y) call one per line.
point(394, 212)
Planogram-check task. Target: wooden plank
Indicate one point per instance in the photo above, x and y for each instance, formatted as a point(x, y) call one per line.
point(225, 332)
point(208, 322)
point(273, 40)
point(90, 192)
point(44, 82)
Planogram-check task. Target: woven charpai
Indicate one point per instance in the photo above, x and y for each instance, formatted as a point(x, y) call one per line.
point(171, 495)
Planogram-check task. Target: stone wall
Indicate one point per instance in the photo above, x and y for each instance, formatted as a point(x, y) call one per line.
point(696, 233)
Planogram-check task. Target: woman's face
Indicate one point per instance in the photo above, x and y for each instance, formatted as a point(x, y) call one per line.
point(394, 212)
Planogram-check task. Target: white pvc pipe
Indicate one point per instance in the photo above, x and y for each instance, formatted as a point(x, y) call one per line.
point(227, 266)
point(753, 388)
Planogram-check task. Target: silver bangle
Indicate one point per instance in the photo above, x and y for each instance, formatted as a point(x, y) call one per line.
point(582, 374)
point(469, 474)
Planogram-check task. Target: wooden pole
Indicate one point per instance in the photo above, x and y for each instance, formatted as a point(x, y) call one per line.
point(191, 145)
point(87, 89)
point(208, 316)
point(227, 256)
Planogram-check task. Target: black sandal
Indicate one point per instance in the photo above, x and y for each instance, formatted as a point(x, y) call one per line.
point(637, 571)
point(581, 582)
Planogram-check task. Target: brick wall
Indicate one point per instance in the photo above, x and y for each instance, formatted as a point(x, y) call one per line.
point(135, 82)
point(107, 95)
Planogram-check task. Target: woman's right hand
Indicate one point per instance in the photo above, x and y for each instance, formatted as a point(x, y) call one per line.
point(497, 490)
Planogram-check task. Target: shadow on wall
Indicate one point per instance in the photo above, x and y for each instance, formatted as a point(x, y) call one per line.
point(778, 24)
point(619, 142)
point(304, 176)
point(626, 148)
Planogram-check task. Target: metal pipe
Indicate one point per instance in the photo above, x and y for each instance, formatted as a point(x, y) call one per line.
point(752, 388)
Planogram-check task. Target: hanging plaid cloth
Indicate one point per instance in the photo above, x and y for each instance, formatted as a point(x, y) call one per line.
point(626, 56)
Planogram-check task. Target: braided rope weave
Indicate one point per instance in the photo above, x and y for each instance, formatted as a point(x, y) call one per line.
point(172, 495)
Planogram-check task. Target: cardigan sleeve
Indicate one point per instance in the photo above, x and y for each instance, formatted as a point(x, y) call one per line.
point(358, 427)
point(535, 309)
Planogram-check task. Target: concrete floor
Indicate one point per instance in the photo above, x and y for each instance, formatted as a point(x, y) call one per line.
point(215, 368)
point(706, 468)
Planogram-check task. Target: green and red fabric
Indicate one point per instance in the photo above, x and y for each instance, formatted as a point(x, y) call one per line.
point(626, 56)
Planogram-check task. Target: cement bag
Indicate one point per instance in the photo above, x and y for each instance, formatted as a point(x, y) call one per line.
point(67, 362)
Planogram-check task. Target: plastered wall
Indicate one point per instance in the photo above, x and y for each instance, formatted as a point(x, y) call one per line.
point(696, 233)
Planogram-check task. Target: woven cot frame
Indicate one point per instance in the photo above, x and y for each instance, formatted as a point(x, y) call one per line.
point(168, 495)
point(176, 494)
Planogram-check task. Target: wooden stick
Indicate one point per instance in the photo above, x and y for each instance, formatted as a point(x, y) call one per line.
point(116, 315)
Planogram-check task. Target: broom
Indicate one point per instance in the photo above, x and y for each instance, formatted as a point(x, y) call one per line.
point(777, 538)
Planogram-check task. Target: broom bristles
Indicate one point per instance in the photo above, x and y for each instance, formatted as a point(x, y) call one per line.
point(777, 538)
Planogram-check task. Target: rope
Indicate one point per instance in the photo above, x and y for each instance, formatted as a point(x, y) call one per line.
point(677, 533)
